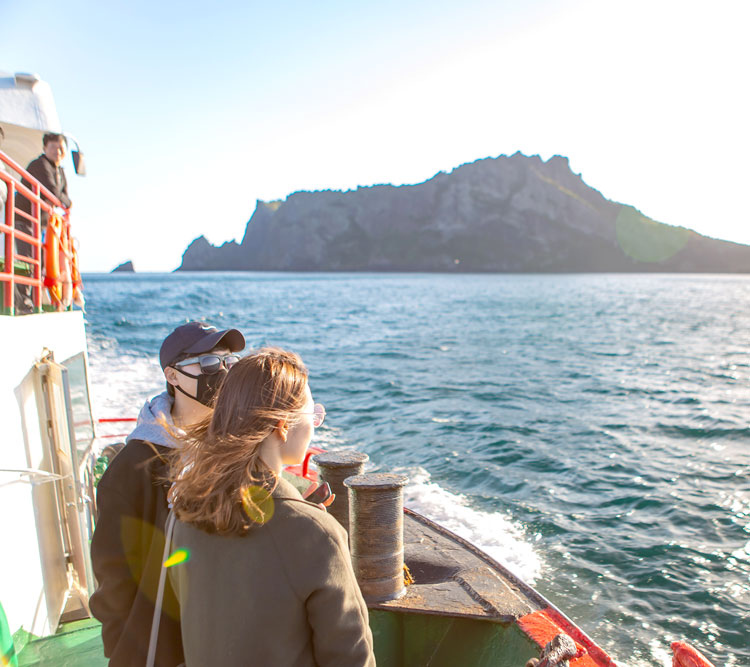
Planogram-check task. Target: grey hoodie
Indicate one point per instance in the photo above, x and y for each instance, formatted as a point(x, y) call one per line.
point(151, 419)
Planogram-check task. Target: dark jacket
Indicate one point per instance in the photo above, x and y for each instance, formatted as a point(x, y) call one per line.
point(127, 550)
point(284, 595)
point(52, 178)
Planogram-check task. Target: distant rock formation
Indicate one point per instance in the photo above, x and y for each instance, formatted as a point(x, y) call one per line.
point(505, 214)
point(125, 267)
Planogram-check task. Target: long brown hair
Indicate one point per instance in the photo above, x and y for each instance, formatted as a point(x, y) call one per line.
point(220, 483)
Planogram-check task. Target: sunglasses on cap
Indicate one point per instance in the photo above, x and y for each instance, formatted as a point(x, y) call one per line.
point(210, 363)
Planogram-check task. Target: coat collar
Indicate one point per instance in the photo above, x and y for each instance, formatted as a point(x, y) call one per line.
point(286, 490)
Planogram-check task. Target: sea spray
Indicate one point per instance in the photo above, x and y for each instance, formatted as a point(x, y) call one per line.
point(495, 533)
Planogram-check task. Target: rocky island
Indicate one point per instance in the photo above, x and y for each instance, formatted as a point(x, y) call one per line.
point(507, 214)
point(125, 267)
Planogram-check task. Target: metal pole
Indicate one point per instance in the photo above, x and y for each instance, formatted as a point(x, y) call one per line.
point(10, 242)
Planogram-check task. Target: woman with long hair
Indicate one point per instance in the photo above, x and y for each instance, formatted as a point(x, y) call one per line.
point(266, 577)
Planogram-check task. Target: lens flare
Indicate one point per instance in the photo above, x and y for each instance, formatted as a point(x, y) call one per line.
point(137, 531)
point(179, 556)
point(645, 240)
point(257, 503)
point(9, 657)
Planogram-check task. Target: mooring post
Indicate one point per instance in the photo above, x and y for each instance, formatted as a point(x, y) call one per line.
point(376, 534)
point(334, 468)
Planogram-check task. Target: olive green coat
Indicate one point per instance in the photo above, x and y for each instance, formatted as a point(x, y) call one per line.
point(284, 595)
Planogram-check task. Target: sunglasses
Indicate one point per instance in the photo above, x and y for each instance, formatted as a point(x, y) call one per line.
point(318, 413)
point(210, 363)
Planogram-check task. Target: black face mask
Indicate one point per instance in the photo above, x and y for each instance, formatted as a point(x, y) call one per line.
point(208, 385)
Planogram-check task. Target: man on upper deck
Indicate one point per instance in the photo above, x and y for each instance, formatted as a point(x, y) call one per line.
point(128, 543)
point(47, 170)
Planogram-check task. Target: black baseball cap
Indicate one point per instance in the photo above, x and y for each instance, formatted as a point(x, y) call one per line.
point(197, 338)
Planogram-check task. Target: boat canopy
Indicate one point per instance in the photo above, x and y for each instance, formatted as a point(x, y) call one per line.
point(27, 112)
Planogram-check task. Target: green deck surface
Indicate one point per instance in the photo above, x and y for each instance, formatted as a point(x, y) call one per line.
point(410, 640)
point(77, 644)
point(401, 640)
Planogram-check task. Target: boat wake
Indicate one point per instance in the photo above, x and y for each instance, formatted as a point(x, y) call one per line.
point(120, 381)
point(494, 533)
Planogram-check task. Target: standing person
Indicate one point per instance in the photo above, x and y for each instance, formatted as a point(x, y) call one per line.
point(47, 170)
point(268, 578)
point(128, 543)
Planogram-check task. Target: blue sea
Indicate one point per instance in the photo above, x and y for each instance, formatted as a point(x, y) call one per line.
point(589, 431)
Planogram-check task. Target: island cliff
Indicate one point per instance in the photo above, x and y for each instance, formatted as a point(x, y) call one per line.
point(125, 267)
point(505, 214)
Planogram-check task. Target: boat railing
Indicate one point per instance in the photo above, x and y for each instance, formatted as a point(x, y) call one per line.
point(18, 269)
point(114, 420)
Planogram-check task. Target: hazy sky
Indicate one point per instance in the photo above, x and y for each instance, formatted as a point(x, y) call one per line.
point(188, 112)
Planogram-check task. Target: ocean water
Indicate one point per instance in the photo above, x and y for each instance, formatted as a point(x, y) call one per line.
point(589, 431)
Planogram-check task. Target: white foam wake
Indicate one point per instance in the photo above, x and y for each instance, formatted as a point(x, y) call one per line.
point(494, 533)
point(121, 383)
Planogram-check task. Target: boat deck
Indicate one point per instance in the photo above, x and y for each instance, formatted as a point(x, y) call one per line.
point(453, 577)
point(77, 644)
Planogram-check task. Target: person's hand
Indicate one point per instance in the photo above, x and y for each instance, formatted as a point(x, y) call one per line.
point(310, 493)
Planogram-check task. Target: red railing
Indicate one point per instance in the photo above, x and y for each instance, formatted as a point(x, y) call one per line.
point(115, 420)
point(41, 200)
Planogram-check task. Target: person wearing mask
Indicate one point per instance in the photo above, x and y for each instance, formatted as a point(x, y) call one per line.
point(127, 547)
point(267, 577)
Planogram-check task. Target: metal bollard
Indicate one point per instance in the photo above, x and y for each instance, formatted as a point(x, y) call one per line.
point(335, 467)
point(376, 534)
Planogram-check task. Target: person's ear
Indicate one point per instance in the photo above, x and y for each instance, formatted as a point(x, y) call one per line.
point(282, 429)
point(171, 374)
